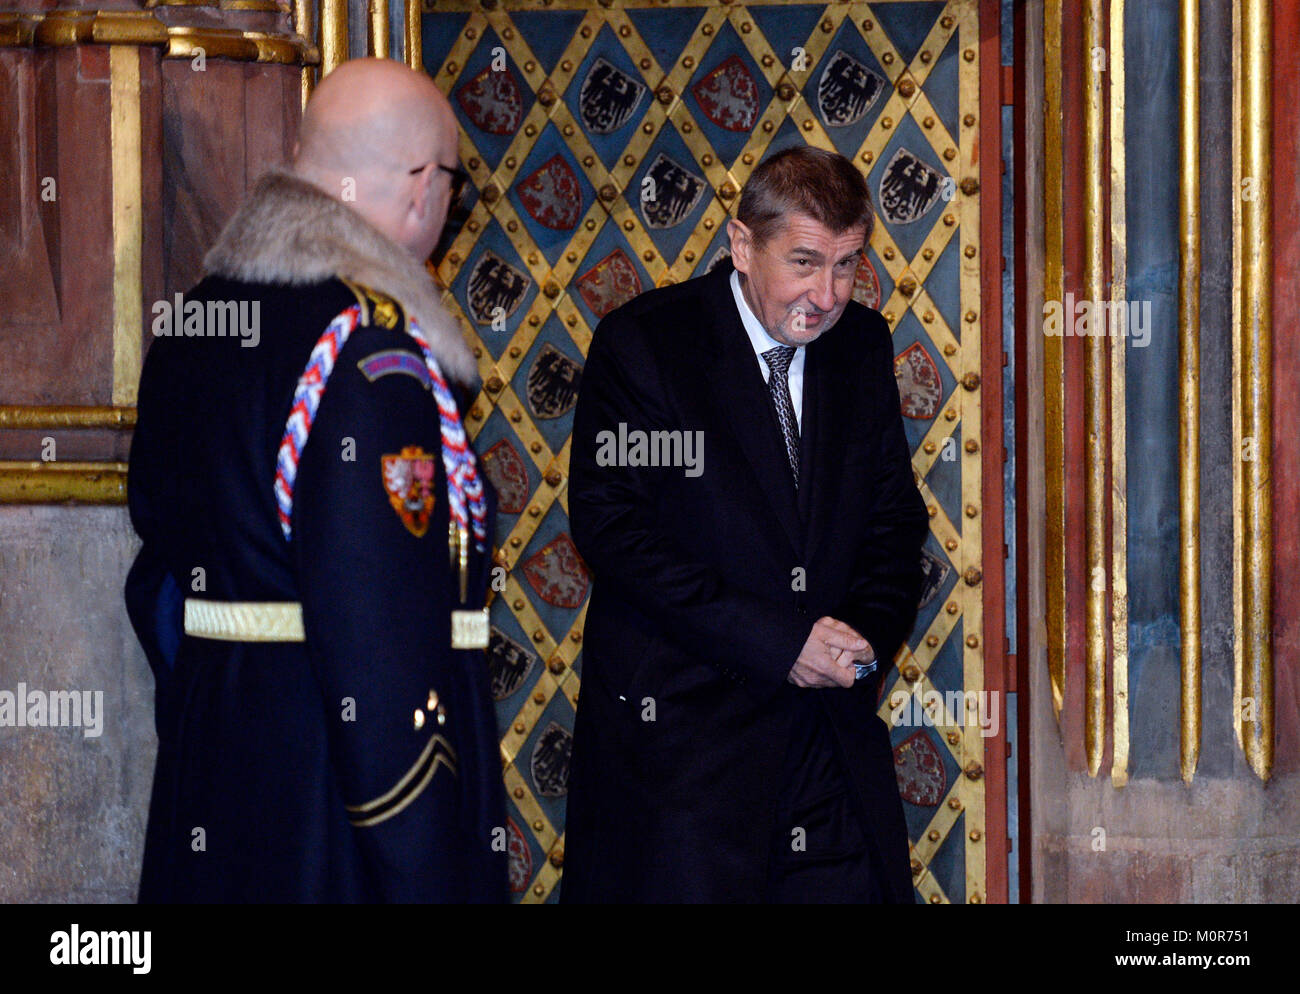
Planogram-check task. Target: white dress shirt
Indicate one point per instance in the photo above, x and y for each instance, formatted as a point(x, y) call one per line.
point(762, 341)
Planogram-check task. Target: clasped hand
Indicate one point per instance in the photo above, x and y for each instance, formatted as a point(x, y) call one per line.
point(827, 658)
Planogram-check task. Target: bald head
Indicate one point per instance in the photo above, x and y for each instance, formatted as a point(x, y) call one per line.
point(368, 125)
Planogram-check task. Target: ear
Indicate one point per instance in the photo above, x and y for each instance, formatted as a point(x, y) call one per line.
point(421, 201)
point(742, 243)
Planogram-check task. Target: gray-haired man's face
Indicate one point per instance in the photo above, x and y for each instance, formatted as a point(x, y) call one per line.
point(800, 281)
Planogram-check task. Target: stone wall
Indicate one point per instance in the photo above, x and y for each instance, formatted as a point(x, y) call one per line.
point(1221, 840)
point(73, 815)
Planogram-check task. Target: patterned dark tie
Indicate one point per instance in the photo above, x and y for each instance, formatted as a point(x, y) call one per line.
point(778, 384)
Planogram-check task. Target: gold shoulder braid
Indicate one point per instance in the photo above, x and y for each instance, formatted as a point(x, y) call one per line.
point(377, 308)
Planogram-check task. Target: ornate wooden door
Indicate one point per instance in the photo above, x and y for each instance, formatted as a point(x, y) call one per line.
point(568, 114)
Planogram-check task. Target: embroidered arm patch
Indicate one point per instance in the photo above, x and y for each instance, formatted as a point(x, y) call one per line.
point(395, 361)
point(408, 478)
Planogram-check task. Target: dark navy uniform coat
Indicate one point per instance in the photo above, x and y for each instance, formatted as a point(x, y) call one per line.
point(264, 747)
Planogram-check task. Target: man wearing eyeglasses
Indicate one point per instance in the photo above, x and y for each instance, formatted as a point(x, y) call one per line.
point(317, 536)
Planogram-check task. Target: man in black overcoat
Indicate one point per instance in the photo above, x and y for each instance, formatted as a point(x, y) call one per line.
point(743, 494)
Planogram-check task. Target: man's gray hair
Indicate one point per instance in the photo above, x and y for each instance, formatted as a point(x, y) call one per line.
point(823, 185)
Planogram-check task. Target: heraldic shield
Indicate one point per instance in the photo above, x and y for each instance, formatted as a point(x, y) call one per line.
point(409, 479)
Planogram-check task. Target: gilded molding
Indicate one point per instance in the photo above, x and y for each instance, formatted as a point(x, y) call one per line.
point(1094, 393)
point(970, 141)
point(1236, 375)
point(1053, 355)
point(605, 7)
point(303, 24)
point(99, 27)
point(1189, 372)
point(270, 6)
point(241, 46)
point(119, 27)
point(128, 221)
point(413, 36)
point(62, 482)
point(378, 19)
point(1256, 388)
point(18, 30)
point(333, 34)
point(20, 416)
point(1118, 409)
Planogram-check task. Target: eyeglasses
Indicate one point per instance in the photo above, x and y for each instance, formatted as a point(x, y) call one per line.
point(459, 177)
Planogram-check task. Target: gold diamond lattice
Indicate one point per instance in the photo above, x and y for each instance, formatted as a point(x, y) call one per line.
point(952, 33)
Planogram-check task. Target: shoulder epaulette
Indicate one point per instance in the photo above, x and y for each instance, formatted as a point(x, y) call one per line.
point(377, 308)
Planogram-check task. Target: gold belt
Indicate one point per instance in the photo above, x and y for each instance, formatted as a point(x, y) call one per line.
point(244, 621)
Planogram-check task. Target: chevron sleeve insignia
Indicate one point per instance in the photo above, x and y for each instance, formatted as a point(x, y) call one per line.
point(412, 784)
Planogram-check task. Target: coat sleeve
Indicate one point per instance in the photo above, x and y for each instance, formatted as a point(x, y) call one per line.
point(154, 601)
point(377, 598)
point(882, 597)
point(616, 527)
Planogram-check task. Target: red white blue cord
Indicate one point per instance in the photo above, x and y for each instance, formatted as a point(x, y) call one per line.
point(464, 486)
point(306, 399)
point(463, 483)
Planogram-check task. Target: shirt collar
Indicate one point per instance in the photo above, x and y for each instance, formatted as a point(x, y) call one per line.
point(758, 336)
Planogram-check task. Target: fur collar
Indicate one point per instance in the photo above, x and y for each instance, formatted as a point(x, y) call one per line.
point(289, 232)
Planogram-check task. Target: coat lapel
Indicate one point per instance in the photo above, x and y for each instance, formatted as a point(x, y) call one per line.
point(742, 395)
point(819, 456)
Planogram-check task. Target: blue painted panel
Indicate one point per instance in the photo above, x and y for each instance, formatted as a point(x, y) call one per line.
point(1151, 108)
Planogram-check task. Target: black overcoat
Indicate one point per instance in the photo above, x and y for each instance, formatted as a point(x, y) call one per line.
point(705, 588)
